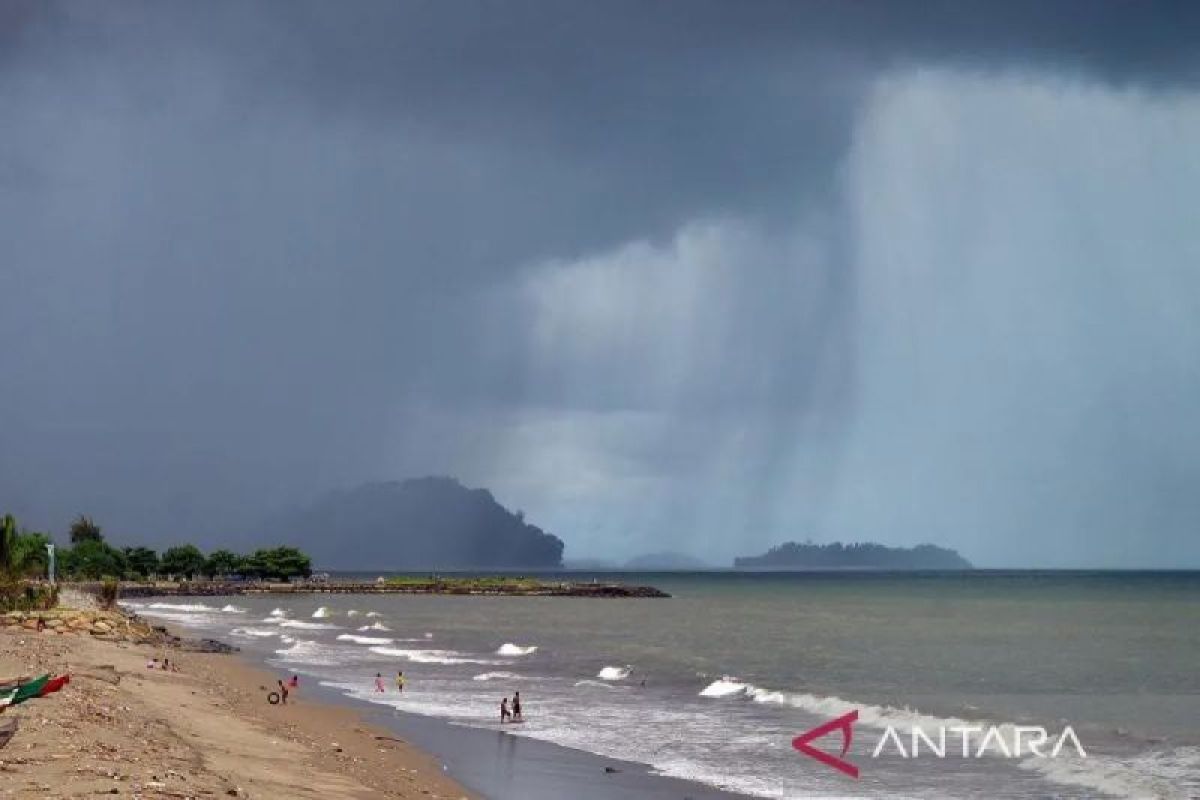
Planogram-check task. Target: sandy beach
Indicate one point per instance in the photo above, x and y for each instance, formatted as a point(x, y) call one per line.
point(206, 730)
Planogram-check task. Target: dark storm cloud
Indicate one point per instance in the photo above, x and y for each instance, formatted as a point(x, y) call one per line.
point(256, 250)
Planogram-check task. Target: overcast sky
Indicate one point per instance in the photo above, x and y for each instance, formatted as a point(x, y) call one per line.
point(665, 275)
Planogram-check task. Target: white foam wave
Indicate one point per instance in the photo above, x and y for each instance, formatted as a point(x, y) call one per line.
point(431, 656)
point(492, 676)
point(375, 626)
point(372, 613)
point(510, 649)
point(590, 682)
point(352, 613)
point(350, 637)
point(880, 717)
point(1168, 774)
point(614, 673)
point(308, 626)
point(723, 688)
point(182, 607)
point(303, 651)
point(278, 612)
point(232, 609)
point(255, 632)
point(321, 613)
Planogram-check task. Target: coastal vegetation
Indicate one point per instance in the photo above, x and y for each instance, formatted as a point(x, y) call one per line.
point(856, 555)
point(90, 557)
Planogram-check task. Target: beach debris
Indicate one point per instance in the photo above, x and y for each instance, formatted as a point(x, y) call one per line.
point(611, 770)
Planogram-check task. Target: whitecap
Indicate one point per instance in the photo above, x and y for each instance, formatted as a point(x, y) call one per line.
point(182, 607)
point(321, 613)
point(352, 613)
point(431, 656)
point(723, 688)
point(375, 626)
point(256, 632)
point(278, 612)
point(614, 673)
point(491, 676)
point(308, 626)
point(372, 613)
point(510, 649)
point(232, 609)
point(350, 637)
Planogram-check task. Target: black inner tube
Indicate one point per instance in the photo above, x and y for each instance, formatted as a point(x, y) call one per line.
point(273, 698)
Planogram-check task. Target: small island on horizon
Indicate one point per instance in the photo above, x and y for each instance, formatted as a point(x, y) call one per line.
point(856, 555)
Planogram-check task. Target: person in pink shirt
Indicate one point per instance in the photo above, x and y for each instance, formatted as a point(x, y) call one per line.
point(379, 687)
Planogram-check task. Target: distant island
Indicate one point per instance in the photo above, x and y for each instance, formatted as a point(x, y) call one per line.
point(432, 523)
point(857, 555)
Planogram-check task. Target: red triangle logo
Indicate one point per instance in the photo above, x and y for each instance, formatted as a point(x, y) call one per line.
point(845, 724)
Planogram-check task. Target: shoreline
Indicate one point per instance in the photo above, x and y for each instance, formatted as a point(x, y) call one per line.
point(207, 729)
point(499, 765)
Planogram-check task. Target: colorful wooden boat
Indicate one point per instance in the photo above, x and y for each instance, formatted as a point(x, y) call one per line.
point(54, 684)
point(27, 691)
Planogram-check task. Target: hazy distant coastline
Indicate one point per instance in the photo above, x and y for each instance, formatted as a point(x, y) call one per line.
point(856, 555)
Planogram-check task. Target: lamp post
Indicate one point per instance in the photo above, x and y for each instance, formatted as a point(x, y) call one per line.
point(50, 566)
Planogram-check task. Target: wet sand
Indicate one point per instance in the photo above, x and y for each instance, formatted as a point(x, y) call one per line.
point(205, 731)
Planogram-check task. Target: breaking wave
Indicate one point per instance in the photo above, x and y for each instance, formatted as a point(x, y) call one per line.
point(492, 676)
point(432, 656)
point(510, 649)
point(614, 673)
point(375, 626)
point(321, 613)
point(1169, 774)
point(256, 632)
point(350, 637)
point(306, 652)
point(308, 626)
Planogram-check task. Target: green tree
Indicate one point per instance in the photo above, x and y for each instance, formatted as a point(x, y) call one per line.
point(29, 557)
point(283, 563)
point(143, 562)
point(186, 560)
point(83, 529)
point(92, 559)
point(8, 540)
point(221, 563)
point(291, 563)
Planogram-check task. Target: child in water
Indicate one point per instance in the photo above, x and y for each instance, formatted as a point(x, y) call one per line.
point(504, 715)
point(400, 681)
point(379, 687)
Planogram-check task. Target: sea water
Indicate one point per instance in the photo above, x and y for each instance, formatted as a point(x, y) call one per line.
point(714, 683)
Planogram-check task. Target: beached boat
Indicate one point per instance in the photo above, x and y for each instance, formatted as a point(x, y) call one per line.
point(8, 684)
point(54, 684)
point(7, 731)
point(30, 690)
